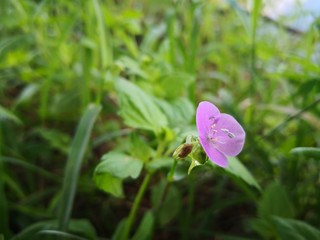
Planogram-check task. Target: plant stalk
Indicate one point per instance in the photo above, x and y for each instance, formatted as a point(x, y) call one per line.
point(134, 209)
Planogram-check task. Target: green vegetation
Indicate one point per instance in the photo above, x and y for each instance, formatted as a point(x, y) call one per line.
point(96, 95)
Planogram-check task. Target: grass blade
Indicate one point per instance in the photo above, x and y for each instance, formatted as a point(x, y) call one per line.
point(75, 158)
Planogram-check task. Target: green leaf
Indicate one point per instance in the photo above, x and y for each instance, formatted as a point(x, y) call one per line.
point(7, 115)
point(119, 232)
point(75, 158)
point(78, 226)
point(295, 230)
point(119, 165)
point(175, 84)
point(27, 93)
point(140, 148)
point(160, 163)
point(109, 184)
point(171, 204)
point(146, 227)
point(179, 112)
point(236, 168)
point(275, 202)
point(138, 108)
point(310, 152)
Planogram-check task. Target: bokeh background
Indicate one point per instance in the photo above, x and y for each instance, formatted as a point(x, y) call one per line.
point(77, 79)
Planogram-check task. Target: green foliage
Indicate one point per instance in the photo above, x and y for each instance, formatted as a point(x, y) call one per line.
point(145, 65)
point(75, 159)
point(237, 169)
point(113, 168)
point(138, 109)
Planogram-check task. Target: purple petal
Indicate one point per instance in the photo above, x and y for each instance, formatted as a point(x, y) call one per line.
point(230, 135)
point(206, 112)
point(215, 155)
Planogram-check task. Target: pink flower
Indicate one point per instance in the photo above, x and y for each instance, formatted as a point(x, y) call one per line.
point(219, 134)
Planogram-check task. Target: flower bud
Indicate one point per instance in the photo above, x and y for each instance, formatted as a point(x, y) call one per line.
point(183, 151)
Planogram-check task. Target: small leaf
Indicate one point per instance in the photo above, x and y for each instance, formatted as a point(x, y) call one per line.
point(109, 184)
point(236, 168)
point(275, 202)
point(138, 108)
point(171, 206)
point(295, 230)
point(119, 165)
point(145, 229)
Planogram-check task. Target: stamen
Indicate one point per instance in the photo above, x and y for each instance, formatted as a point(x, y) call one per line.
point(230, 134)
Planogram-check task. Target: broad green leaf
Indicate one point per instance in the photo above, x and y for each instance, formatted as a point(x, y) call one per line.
point(236, 168)
point(275, 202)
point(119, 165)
point(310, 152)
point(109, 184)
point(75, 159)
point(145, 228)
point(138, 108)
point(140, 148)
point(295, 230)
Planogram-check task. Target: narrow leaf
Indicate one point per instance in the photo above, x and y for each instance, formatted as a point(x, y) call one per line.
point(75, 158)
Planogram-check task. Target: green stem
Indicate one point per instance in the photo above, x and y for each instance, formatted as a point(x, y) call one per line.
point(134, 209)
point(171, 173)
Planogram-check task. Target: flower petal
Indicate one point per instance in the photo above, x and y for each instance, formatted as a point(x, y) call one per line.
point(230, 135)
point(206, 111)
point(214, 155)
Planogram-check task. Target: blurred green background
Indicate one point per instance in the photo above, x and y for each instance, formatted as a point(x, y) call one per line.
point(130, 75)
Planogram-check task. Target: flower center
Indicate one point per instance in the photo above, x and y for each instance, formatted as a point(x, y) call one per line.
point(214, 134)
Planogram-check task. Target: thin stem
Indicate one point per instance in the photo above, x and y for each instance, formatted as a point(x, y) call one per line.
point(134, 209)
point(171, 173)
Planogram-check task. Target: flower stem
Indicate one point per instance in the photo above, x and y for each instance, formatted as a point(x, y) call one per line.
point(171, 173)
point(134, 209)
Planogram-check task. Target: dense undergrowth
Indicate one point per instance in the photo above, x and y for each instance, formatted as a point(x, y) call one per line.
point(96, 95)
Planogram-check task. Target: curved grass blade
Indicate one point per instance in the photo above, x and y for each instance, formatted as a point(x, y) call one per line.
point(75, 158)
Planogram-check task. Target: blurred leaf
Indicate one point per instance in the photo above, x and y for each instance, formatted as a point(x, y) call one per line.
point(179, 112)
point(78, 226)
point(275, 202)
point(139, 148)
point(175, 84)
point(75, 158)
point(145, 228)
point(138, 109)
point(133, 66)
point(160, 163)
point(7, 115)
point(236, 168)
point(119, 165)
point(295, 229)
point(167, 207)
point(58, 140)
point(310, 152)
point(109, 184)
point(27, 93)
point(120, 229)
